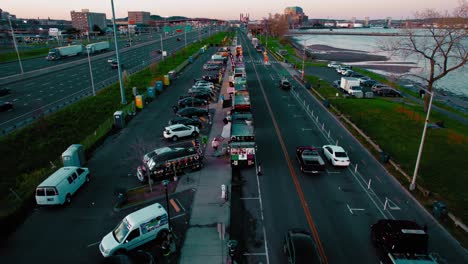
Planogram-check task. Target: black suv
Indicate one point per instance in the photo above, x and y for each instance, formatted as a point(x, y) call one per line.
point(284, 84)
point(299, 247)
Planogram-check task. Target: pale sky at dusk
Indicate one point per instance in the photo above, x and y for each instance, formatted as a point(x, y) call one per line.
point(340, 9)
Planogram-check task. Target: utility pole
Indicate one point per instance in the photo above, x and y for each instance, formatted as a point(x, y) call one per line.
point(303, 59)
point(162, 48)
point(119, 66)
point(14, 43)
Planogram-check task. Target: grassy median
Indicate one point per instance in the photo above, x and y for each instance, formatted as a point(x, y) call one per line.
point(27, 155)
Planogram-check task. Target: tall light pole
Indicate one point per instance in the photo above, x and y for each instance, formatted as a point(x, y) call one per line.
point(185, 36)
point(162, 49)
point(122, 89)
point(303, 60)
point(421, 145)
point(14, 43)
point(91, 73)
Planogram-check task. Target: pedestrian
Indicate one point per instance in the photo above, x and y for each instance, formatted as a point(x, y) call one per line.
point(215, 144)
point(175, 109)
point(222, 97)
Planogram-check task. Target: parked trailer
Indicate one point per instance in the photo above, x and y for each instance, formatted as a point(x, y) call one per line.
point(98, 47)
point(67, 51)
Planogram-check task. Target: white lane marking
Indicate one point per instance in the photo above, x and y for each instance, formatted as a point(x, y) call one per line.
point(307, 129)
point(391, 204)
point(249, 198)
point(93, 244)
point(289, 105)
point(297, 116)
point(354, 209)
point(16, 99)
point(28, 95)
point(335, 172)
point(51, 94)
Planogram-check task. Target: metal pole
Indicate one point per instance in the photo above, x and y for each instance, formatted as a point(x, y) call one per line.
point(122, 89)
point(303, 59)
point(418, 159)
point(91, 74)
point(185, 36)
point(162, 48)
point(16, 47)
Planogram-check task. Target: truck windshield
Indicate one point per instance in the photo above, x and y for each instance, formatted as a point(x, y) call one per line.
point(121, 231)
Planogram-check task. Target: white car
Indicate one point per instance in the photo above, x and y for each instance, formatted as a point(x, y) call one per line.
point(336, 155)
point(177, 131)
point(209, 85)
point(343, 68)
point(110, 60)
point(333, 65)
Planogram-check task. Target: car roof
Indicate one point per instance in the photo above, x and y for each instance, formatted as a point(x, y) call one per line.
point(303, 243)
point(175, 126)
point(335, 148)
point(58, 176)
point(145, 214)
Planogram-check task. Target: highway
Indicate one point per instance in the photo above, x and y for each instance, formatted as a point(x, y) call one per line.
point(34, 96)
point(338, 206)
point(72, 234)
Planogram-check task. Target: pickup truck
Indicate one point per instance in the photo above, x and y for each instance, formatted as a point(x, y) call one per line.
point(309, 159)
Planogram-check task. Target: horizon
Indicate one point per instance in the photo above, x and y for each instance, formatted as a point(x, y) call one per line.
point(341, 10)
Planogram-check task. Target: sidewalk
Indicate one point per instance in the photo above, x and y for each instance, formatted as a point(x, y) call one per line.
point(210, 213)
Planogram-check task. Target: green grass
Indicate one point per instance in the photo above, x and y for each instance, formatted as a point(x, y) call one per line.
point(397, 129)
point(29, 151)
point(27, 54)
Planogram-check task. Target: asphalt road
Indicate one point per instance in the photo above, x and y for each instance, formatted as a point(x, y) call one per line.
point(72, 234)
point(34, 96)
point(338, 203)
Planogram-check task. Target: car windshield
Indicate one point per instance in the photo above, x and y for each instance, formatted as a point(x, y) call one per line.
point(340, 154)
point(121, 231)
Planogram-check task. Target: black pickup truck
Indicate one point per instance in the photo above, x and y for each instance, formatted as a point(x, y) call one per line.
point(309, 159)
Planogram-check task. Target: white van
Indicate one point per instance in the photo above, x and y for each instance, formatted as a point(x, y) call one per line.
point(136, 229)
point(59, 187)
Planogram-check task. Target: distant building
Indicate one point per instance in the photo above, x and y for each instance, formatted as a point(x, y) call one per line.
point(295, 16)
point(139, 18)
point(85, 20)
point(4, 15)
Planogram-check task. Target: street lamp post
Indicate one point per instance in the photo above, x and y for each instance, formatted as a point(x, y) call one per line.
point(91, 73)
point(421, 145)
point(14, 43)
point(185, 36)
point(162, 48)
point(165, 183)
point(303, 60)
point(122, 90)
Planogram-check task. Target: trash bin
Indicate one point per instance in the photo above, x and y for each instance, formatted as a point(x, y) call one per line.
point(384, 157)
point(139, 101)
point(202, 50)
point(326, 103)
point(159, 86)
point(190, 58)
point(439, 210)
point(134, 91)
point(151, 92)
point(166, 80)
point(119, 119)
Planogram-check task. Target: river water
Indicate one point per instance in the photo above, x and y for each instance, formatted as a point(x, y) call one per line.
point(455, 82)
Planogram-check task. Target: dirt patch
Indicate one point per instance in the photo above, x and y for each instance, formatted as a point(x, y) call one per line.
point(454, 137)
point(410, 114)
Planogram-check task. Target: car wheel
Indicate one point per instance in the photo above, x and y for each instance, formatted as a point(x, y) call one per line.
point(175, 138)
point(194, 134)
point(162, 235)
point(67, 199)
point(120, 252)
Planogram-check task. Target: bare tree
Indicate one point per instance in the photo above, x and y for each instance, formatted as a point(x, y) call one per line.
point(277, 25)
point(440, 42)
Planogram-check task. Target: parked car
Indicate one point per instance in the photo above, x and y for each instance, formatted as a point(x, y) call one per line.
point(174, 132)
point(342, 68)
point(333, 65)
point(337, 84)
point(4, 91)
point(388, 92)
point(211, 67)
point(346, 72)
point(5, 106)
point(284, 84)
point(191, 101)
point(299, 247)
point(204, 84)
point(368, 83)
point(336, 155)
point(309, 159)
point(199, 94)
point(201, 89)
point(185, 121)
point(378, 86)
point(211, 78)
point(192, 111)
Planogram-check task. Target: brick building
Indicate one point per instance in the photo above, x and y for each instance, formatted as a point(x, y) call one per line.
point(86, 20)
point(138, 18)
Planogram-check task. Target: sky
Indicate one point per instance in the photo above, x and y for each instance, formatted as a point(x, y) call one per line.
point(226, 10)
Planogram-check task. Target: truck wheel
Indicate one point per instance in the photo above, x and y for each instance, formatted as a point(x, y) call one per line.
point(175, 138)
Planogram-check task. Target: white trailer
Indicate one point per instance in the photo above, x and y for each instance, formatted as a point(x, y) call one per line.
point(97, 47)
point(67, 51)
point(348, 82)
